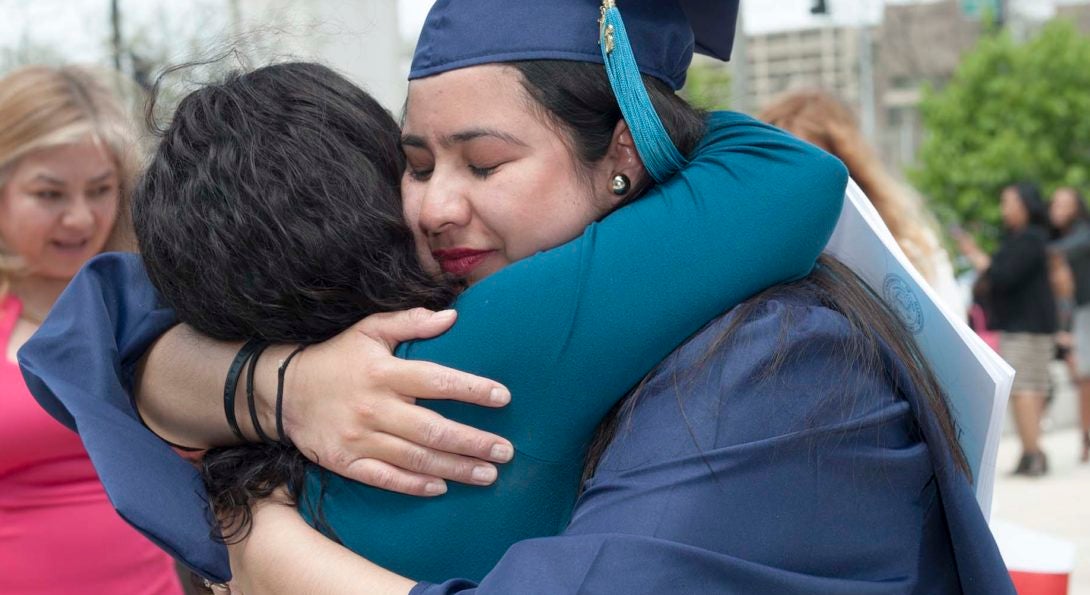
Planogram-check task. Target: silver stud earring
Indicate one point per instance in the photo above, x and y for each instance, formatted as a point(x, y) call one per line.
point(620, 184)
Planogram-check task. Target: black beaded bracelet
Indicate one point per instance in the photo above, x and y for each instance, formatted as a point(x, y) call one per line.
point(280, 372)
point(231, 385)
point(250, 394)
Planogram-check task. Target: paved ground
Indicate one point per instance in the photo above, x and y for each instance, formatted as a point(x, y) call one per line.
point(1057, 504)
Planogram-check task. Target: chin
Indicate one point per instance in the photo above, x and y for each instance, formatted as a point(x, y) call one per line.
point(60, 273)
point(63, 270)
point(480, 274)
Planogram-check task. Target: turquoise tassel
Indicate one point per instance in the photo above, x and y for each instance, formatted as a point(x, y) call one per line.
point(660, 157)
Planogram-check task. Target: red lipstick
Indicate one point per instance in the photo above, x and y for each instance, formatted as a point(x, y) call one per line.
point(460, 261)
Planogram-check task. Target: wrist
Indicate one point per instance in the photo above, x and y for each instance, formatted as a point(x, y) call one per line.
point(294, 384)
point(264, 390)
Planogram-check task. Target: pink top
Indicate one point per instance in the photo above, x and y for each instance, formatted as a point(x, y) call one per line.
point(59, 535)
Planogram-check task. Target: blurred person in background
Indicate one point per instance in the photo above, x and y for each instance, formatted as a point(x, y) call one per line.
point(1071, 226)
point(68, 153)
point(1016, 283)
point(819, 118)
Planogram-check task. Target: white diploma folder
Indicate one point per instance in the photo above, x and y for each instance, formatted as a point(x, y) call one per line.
point(977, 382)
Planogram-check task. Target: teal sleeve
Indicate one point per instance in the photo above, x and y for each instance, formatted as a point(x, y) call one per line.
point(570, 330)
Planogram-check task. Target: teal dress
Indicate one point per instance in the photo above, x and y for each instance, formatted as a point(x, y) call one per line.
point(569, 331)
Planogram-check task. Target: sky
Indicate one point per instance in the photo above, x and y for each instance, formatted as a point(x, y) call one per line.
point(759, 15)
point(79, 27)
point(762, 16)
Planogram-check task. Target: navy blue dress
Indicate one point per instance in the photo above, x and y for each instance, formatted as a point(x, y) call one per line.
point(819, 478)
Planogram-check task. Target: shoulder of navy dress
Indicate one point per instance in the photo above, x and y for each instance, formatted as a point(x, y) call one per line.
point(781, 373)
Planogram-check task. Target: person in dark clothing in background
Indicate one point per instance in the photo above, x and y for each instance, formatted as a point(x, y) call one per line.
point(1071, 226)
point(1016, 279)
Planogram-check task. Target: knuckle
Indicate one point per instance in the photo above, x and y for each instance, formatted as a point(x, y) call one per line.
point(378, 370)
point(463, 470)
point(435, 433)
point(418, 315)
point(482, 445)
point(444, 382)
point(382, 477)
point(364, 412)
point(420, 459)
point(339, 459)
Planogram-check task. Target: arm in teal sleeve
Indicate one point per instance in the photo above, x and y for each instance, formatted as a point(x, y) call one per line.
point(570, 330)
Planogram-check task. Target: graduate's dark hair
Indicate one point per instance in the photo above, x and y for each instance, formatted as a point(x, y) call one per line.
point(271, 209)
point(579, 97)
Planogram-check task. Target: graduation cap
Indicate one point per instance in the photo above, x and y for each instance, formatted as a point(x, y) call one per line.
point(654, 37)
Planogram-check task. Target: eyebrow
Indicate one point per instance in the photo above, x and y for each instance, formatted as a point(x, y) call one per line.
point(48, 179)
point(102, 177)
point(413, 140)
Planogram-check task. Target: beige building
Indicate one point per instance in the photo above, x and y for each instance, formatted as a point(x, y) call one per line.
point(826, 57)
point(879, 71)
point(916, 44)
point(1078, 14)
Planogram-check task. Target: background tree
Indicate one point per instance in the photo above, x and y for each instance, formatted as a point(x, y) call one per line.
point(1012, 112)
point(707, 85)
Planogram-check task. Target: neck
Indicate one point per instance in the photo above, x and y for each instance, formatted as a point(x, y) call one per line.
point(37, 294)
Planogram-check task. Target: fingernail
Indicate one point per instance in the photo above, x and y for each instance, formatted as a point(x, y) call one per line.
point(501, 453)
point(499, 396)
point(484, 474)
point(435, 488)
point(445, 313)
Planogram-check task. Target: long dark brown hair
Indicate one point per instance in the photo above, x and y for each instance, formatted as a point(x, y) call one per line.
point(877, 335)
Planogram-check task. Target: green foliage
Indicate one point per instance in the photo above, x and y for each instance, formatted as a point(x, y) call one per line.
point(1012, 112)
point(707, 86)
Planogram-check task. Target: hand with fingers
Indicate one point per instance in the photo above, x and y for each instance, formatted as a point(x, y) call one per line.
point(350, 406)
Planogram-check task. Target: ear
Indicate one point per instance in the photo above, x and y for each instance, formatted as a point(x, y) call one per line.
point(621, 158)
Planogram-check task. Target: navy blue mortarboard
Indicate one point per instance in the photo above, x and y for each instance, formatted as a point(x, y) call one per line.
point(663, 33)
point(655, 37)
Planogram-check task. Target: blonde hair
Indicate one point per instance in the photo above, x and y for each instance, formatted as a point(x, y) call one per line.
point(43, 107)
point(819, 118)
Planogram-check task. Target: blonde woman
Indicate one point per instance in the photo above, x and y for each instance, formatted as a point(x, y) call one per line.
point(68, 153)
point(819, 118)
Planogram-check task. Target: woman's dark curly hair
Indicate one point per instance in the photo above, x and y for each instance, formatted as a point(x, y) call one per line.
point(271, 210)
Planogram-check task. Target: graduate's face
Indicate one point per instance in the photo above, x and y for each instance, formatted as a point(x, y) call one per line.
point(58, 206)
point(488, 181)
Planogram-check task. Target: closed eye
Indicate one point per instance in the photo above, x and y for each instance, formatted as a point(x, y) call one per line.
point(419, 175)
point(483, 172)
point(101, 190)
point(49, 195)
